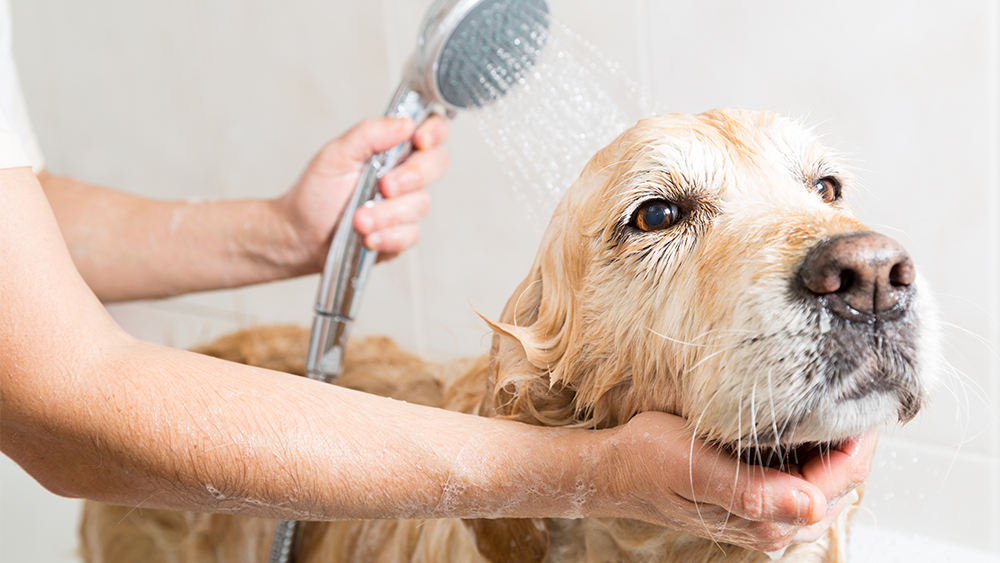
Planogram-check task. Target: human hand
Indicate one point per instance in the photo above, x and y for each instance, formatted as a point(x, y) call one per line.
point(837, 474)
point(686, 484)
point(312, 208)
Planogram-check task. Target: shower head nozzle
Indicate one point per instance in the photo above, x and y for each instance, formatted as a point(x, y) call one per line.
point(471, 52)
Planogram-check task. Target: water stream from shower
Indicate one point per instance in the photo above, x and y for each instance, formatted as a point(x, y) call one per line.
point(570, 104)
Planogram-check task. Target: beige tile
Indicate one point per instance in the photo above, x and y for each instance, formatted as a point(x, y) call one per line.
point(612, 32)
point(172, 324)
point(872, 543)
point(933, 493)
point(23, 505)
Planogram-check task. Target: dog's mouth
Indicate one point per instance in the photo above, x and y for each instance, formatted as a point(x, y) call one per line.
point(788, 458)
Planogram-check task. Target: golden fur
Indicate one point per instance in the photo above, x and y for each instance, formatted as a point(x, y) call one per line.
point(700, 319)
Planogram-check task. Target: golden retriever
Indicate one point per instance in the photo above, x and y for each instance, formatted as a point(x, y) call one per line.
point(705, 266)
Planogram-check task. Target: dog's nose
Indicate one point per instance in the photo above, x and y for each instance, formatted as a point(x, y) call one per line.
point(859, 274)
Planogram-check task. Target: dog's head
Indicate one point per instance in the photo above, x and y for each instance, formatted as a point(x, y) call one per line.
point(707, 266)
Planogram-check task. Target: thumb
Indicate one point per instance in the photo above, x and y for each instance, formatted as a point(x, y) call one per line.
point(368, 137)
point(711, 475)
point(755, 493)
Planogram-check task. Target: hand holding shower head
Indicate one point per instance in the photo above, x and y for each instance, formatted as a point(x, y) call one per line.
point(469, 54)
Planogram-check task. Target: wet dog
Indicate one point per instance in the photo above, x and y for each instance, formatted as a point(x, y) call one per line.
point(705, 266)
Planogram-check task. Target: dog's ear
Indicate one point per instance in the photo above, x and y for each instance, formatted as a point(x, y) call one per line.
point(530, 381)
point(532, 335)
point(542, 352)
point(510, 540)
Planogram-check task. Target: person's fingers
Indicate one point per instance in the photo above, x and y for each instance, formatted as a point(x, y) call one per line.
point(365, 139)
point(705, 474)
point(417, 171)
point(750, 491)
point(812, 533)
point(390, 242)
point(837, 472)
point(431, 133)
point(402, 210)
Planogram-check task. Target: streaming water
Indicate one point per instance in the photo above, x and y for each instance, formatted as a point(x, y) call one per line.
point(562, 107)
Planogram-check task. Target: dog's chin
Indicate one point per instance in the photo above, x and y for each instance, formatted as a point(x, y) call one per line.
point(825, 429)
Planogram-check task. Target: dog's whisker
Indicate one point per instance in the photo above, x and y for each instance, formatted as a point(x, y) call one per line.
point(518, 302)
point(694, 492)
point(676, 341)
point(964, 417)
point(720, 332)
point(960, 392)
point(137, 507)
point(709, 357)
point(745, 341)
point(739, 448)
point(981, 339)
point(755, 438)
point(774, 421)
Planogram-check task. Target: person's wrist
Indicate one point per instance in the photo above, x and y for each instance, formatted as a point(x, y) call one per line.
point(603, 467)
point(287, 245)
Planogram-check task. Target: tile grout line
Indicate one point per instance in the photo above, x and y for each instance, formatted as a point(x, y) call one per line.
point(642, 41)
point(994, 273)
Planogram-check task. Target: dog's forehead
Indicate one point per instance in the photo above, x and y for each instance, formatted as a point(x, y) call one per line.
point(718, 162)
point(735, 142)
point(715, 149)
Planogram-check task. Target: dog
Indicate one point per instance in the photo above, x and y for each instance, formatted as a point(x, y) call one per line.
point(706, 266)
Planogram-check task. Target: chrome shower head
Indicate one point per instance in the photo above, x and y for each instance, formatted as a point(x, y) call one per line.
point(471, 52)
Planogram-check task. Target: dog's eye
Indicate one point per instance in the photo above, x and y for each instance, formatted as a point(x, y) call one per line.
point(828, 188)
point(655, 215)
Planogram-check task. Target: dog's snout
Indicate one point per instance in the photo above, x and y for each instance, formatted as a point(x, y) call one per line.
point(860, 274)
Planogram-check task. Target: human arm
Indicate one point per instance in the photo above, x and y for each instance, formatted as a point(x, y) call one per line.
point(128, 247)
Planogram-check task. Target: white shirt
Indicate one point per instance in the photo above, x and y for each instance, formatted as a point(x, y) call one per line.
point(18, 144)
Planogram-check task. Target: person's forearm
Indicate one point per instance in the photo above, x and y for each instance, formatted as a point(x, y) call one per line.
point(128, 247)
point(160, 428)
point(91, 412)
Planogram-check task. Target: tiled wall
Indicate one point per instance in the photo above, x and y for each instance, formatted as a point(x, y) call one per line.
point(230, 98)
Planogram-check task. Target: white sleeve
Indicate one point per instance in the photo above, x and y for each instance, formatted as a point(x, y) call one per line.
point(18, 144)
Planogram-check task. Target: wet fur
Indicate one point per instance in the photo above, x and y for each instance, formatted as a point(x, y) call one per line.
point(704, 320)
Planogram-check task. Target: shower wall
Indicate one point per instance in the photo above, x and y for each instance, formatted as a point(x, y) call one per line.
point(230, 99)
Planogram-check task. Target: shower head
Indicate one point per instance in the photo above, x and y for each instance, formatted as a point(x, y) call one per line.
point(471, 52)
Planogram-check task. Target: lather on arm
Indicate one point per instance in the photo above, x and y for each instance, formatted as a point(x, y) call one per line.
point(128, 247)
